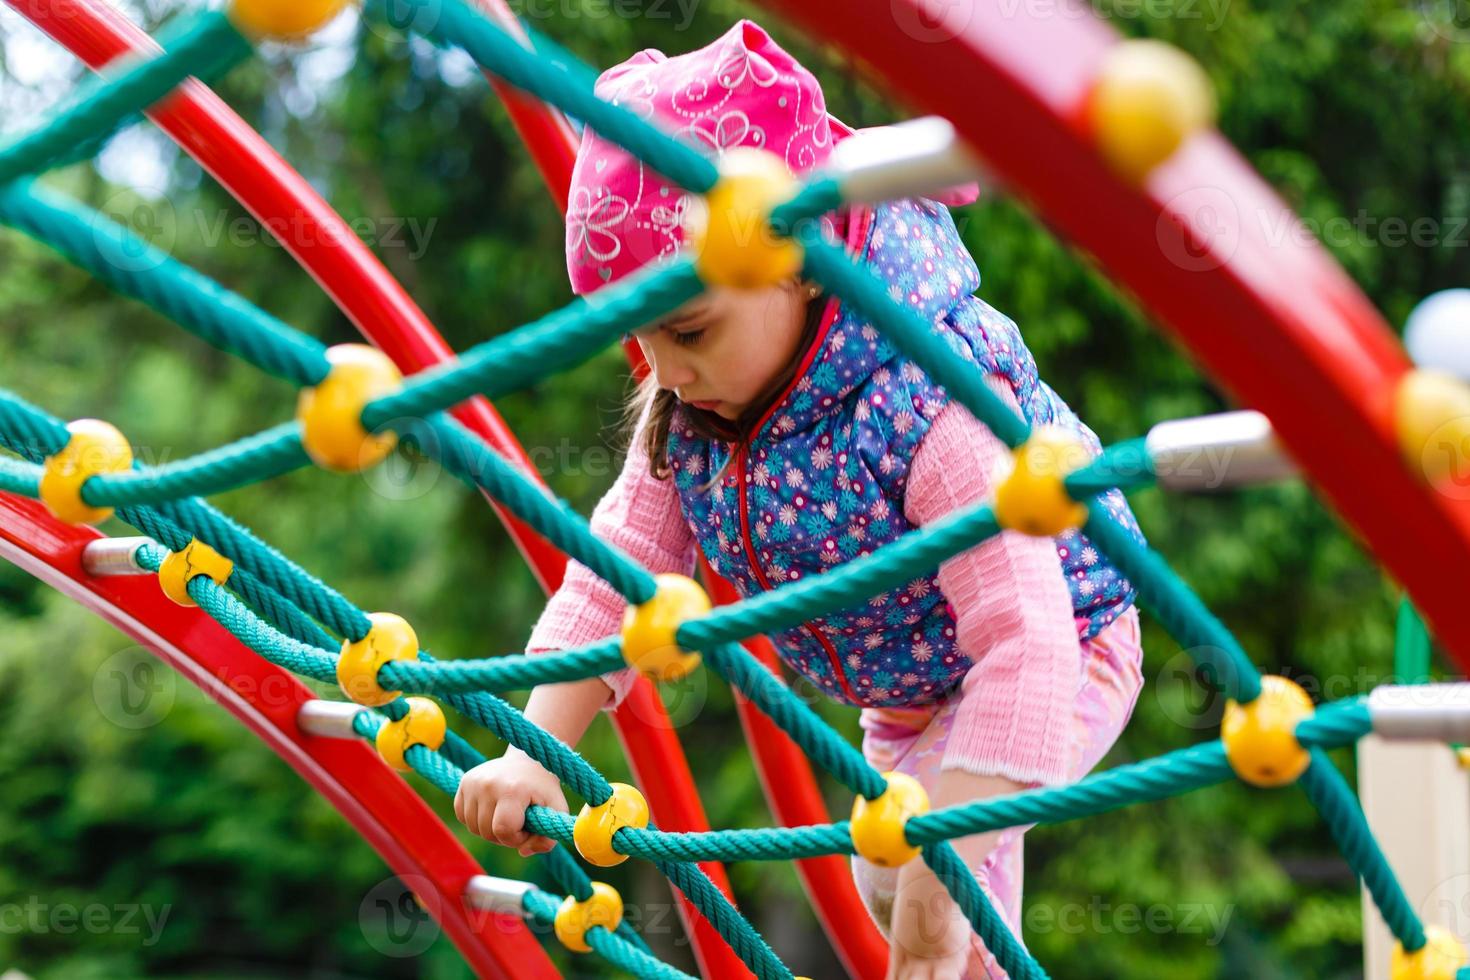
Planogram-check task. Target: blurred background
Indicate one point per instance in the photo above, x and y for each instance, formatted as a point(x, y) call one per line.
point(124, 789)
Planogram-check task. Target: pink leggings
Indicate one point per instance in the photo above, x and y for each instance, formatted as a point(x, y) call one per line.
point(912, 740)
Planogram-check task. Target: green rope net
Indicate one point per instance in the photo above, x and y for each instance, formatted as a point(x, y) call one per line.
point(300, 623)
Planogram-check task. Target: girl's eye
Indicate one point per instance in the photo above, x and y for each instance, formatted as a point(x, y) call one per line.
point(690, 338)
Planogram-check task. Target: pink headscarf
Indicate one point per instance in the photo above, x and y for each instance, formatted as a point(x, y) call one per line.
point(742, 89)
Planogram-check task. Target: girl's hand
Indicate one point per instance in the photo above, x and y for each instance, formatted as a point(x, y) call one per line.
point(930, 937)
point(493, 796)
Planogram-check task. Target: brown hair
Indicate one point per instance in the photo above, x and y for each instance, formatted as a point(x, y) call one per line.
point(660, 403)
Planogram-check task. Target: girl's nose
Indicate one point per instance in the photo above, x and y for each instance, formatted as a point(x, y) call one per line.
point(669, 369)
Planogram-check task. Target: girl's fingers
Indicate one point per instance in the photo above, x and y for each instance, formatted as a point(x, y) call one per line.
point(468, 810)
point(537, 845)
point(508, 822)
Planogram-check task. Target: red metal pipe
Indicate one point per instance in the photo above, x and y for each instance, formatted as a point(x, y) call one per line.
point(267, 186)
point(377, 802)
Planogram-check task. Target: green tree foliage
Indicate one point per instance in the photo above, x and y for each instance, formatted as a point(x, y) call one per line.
point(1356, 113)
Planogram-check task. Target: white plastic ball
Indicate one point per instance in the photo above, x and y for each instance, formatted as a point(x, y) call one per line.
point(1437, 332)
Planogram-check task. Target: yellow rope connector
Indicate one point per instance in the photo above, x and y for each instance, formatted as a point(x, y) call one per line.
point(423, 725)
point(1260, 736)
point(331, 413)
point(283, 20)
point(1033, 498)
point(1462, 756)
point(731, 236)
point(1148, 98)
point(196, 559)
point(94, 447)
point(592, 833)
point(1432, 418)
point(877, 825)
point(1440, 958)
point(573, 919)
point(390, 638)
point(648, 629)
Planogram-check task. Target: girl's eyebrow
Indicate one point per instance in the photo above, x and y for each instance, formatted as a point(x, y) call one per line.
point(678, 319)
point(670, 321)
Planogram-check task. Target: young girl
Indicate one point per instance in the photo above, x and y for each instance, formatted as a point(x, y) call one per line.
point(780, 434)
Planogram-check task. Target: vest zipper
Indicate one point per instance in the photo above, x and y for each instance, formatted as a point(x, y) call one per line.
point(860, 224)
point(742, 458)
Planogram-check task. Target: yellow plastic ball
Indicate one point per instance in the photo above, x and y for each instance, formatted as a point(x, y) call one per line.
point(331, 413)
point(731, 235)
point(573, 919)
point(423, 725)
point(1260, 736)
point(196, 559)
point(283, 20)
point(592, 833)
point(1033, 498)
point(1462, 757)
point(94, 447)
point(648, 629)
point(390, 638)
point(1149, 97)
point(1432, 416)
point(1440, 958)
point(877, 825)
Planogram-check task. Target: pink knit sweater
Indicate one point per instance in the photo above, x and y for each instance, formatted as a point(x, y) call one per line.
point(1013, 611)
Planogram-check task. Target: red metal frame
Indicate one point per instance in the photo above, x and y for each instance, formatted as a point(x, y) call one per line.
point(380, 805)
point(1278, 322)
point(266, 185)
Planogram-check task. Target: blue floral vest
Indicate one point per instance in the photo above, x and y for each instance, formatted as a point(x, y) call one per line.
point(822, 479)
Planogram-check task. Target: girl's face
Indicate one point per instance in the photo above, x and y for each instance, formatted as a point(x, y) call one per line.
point(719, 351)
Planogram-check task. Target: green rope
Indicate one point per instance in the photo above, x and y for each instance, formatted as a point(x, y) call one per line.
point(985, 920)
point(1152, 779)
point(796, 718)
point(851, 583)
point(319, 600)
point(840, 273)
point(474, 462)
point(1126, 466)
point(27, 430)
point(557, 341)
point(734, 927)
point(211, 47)
point(504, 673)
point(1326, 788)
point(265, 455)
point(248, 628)
point(1188, 620)
point(567, 85)
point(129, 264)
point(20, 477)
point(541, 908)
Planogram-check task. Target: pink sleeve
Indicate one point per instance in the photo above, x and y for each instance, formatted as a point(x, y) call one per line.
point(640, 515)
point(1013, 614)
